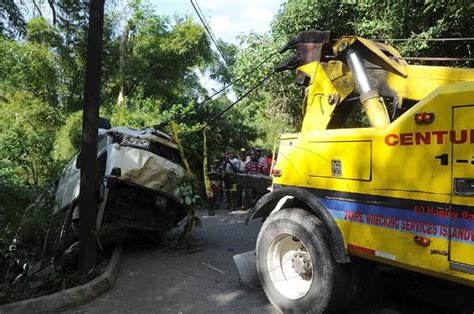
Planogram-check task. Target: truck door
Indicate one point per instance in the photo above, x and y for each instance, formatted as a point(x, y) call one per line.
point(462, 209)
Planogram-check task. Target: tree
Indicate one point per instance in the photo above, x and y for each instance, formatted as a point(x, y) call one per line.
point(28, 67)
point(29, 110)
point(222, 70)
point(158, 57)
point(11, 19)
point(27, 130)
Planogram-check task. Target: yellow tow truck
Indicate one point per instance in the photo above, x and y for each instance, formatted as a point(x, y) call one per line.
point(400, 192)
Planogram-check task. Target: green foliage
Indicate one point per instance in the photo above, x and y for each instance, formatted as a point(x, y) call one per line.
point(27, 67)
point(39, 31)
point(296, 16)
point(27, 130)
point(68, 139)
point(11, 18)
point(189, 198)
point(418, 20)
point(159, 56)
point(221, 70)
point(136, 112)
point(276, 106)
point(30, 115)
point(381, 19)
point(13, 202)
point(230, 130)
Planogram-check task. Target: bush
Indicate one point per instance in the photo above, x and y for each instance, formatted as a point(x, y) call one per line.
point(68, 140)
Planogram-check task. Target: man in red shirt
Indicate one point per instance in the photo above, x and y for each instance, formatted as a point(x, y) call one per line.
point(269, 161)
point(253, 166)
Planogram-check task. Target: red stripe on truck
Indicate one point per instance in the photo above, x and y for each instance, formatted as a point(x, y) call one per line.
point(360, 249)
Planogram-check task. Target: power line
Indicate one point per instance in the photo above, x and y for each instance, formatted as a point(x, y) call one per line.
point(425, 39)
point(444, 59)
point(441, 59)
point(241, 77)
point(417, 39)
point(229, 85)
point(211, 33)
point(239, 99)
point(208, 29)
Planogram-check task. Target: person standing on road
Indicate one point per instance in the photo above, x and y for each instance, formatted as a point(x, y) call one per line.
point(242, 161)
point(232, 165)
point(261, 159)
point(253, 167)
point(269, 161)
point(216, 186)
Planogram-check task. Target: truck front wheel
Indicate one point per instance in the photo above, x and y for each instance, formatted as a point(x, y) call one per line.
point(295, 266)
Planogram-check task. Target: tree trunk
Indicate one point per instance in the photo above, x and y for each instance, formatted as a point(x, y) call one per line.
point(36, 9)
point(122, 60)
point(87, 198)
point(53, 10)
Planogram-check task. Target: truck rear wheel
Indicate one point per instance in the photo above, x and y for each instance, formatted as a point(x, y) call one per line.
point(295, 266)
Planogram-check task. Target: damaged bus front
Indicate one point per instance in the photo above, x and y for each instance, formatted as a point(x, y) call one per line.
point(139, 171)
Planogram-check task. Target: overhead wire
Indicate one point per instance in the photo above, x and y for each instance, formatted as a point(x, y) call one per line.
point(425, 39)
point(442, 59)
point(239, 99)
point(201, 17)
point(211, 33)
point(229, 85)
point(206, 25)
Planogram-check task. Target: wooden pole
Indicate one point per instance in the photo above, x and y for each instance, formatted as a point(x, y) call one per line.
point(88, 160)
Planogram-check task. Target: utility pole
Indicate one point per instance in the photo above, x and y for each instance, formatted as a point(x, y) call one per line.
point(88, 160)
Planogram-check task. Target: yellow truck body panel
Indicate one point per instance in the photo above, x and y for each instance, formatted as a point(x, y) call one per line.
point(387, 186)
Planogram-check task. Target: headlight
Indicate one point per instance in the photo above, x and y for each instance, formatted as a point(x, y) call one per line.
point(135, 141)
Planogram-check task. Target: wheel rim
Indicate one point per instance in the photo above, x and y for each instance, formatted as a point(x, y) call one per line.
point(290, 266)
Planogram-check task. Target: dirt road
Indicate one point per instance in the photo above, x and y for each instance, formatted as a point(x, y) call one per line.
point(202, 278)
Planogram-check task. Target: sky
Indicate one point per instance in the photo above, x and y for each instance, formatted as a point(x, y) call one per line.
point(227, 18)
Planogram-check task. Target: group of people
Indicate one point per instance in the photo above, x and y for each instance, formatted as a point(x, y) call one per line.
point(252, 161)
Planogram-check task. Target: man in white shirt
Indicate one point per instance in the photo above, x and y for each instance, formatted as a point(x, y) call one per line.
point(232, 163)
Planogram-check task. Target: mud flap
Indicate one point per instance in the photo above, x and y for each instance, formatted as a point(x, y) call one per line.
point(247, 266)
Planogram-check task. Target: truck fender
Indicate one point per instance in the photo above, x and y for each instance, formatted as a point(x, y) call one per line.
point(301, 198)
